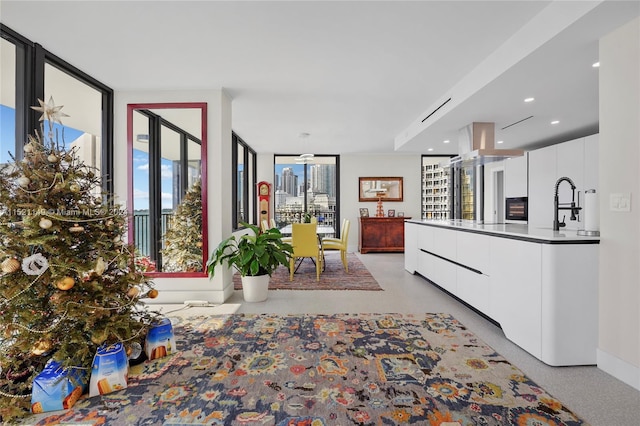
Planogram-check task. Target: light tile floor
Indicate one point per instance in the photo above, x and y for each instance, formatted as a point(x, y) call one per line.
point(597, 397)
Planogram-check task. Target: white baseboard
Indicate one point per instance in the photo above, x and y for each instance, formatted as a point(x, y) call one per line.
point(179, 296)
point(621, 370)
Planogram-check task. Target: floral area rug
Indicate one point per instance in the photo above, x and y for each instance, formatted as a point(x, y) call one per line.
point(333, 277)
point(315, 370)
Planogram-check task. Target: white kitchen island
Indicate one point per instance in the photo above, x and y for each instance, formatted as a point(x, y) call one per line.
point(540, 285)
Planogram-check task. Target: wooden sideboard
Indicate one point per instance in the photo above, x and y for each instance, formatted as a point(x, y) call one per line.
point(381, 234)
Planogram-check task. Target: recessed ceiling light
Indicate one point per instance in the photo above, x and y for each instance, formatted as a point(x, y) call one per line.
point(447, 141)
point(500, 142)
point(430, 149)
point(555, 122)
point(529, 99)
point(596, 64)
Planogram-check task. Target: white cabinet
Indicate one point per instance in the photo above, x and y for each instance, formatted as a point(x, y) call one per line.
point(473, 251)
point(515, 300)
point(472, 280)
point(577, 160)
point(410, 256)
point(570, 163)
point(425, 265)
point(542, 178)
point(569, 304)
point(432, 245)
point(424, 241)
point(425, 235)
point(444, 274)
point(543, 293)
point(445, 248)
point(444, 243)
point(515, 176)
point(474, 289)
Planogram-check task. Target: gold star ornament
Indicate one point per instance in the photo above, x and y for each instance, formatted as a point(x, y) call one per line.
point(50, 111)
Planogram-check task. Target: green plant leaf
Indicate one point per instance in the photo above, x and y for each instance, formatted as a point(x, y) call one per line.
point(256, 253)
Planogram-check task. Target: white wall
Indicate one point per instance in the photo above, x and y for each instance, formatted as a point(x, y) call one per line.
point(490, 195)
point(354, 166)
point(367, 165)
point(619, 288)
point(264, 166)
point(177, 290)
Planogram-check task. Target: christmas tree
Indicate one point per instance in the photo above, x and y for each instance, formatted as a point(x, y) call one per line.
point(183, 239)
point(68, 281)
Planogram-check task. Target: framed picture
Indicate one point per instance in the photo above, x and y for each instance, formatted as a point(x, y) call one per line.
point(400, 214)
point(391, 213)
point(364, 212)
point(384, 188)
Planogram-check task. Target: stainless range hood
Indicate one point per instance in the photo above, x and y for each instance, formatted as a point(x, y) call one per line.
point(476, 146)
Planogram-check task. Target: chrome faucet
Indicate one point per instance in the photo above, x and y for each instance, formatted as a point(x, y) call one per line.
point(571, 206)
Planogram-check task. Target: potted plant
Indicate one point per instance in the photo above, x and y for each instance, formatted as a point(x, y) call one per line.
point(255, 256)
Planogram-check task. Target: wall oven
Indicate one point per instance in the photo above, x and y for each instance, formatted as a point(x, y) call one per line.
point(517, 208)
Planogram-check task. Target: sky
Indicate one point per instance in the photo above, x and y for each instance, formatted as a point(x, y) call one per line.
point(8, 137)
point(141, 181)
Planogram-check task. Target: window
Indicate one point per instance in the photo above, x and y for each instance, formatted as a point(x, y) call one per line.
point(83, 105)
point(243, 182)
point(8, 101)
point(29, 72)
point(435, 188)
point(307, 184)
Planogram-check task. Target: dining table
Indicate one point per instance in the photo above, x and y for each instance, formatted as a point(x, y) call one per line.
point(322, 230)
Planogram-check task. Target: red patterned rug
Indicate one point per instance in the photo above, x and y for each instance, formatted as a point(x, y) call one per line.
point(332, 278)
point(323, 370)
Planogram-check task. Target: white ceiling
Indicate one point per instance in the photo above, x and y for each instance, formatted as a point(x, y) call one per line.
point(357, 76)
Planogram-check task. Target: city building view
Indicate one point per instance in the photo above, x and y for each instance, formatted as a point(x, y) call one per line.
point(305, 188)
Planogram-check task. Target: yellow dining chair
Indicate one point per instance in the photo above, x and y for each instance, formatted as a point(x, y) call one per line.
point(330, 243)
point(265, 225)
point(286, 239)
point(304, 239)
